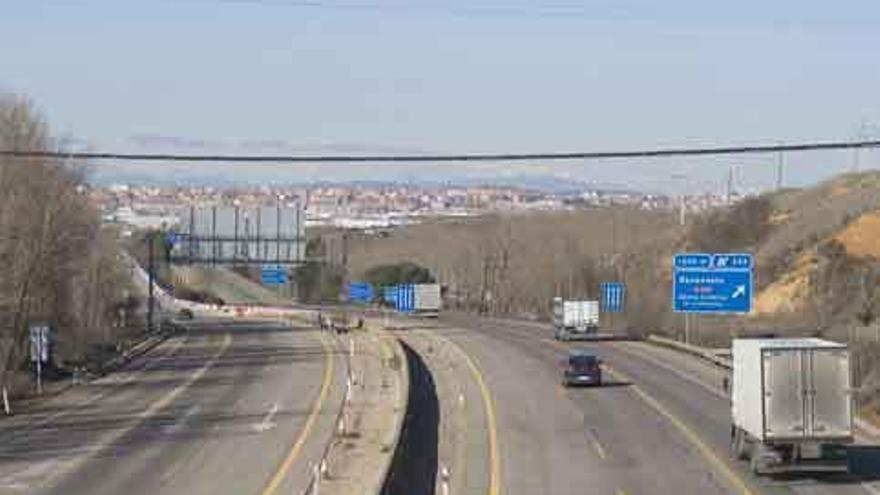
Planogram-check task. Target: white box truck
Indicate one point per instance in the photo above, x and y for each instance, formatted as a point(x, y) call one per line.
point(574, 320)
point(427, 300)
point(791, 404)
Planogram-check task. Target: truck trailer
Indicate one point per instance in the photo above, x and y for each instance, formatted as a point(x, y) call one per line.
point(573, 320)
point(791, 404)
point(428, 300)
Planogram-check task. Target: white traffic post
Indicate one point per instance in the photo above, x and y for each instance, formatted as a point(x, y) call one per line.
point(444, 475)
point(317, 475)
point(40, 363)
point(6, 402)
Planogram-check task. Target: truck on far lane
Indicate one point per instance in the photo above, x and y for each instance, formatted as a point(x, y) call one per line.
point(573, 320)
point(428, 300)
point(791, 404)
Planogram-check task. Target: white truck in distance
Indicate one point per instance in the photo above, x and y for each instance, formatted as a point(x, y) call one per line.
point(791, 404)
point(428, 301)
point(575, 319)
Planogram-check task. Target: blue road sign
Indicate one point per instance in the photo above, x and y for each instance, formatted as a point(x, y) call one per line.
point(406, 298)
point(173, 238)
point(389, 294)
point(712, 283)
point(360, 292)
point(273, 275)
point(613, 296)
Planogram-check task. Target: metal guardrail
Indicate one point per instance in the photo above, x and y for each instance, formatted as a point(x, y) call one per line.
point(704, 353)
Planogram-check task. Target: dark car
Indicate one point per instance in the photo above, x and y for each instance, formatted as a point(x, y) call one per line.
point(581, 368)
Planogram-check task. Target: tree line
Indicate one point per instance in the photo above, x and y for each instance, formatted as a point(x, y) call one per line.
point(60, 267)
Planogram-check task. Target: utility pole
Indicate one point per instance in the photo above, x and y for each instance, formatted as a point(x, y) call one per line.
point(687, 328)
point(729, 184)
point(151, 279)
point(861, 135)
point(780, 163)
point(681, 211)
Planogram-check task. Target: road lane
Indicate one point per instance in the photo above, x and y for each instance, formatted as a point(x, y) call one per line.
point(558, 441)
point(210, 436)
point(693, 400)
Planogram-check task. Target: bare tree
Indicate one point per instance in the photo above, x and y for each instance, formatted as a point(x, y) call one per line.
point(59, 267)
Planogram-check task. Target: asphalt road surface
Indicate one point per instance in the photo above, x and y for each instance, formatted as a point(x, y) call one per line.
point(227, 407)
point(652, 428)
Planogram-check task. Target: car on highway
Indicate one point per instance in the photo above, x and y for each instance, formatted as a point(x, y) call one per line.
point(581, 368)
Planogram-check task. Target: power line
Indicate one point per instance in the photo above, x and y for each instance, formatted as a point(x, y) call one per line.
point(467, 157)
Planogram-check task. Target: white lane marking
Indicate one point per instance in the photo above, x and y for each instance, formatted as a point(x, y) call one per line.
point(114, 384)
point(267, 423)
point(176, 426)
point(114, 435)
point(671, 369)
point(870, 489)
point(23, 479)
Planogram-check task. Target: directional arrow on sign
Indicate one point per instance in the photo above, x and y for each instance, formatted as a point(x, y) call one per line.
point(740, 291)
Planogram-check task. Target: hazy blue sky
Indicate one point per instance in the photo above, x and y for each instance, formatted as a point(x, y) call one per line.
point(455, 75)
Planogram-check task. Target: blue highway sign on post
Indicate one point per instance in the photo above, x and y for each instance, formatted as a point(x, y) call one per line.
point(613, 296)
point(361, 292)
point(173, 238)
point(406, 298)
point(273, 275)
point(389, 294)
point(712, 283)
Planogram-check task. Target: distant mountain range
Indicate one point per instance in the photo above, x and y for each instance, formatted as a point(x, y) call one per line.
point(530, 176)
point(231, 176)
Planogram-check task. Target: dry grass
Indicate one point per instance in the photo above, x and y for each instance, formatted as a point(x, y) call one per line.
point(861, 238)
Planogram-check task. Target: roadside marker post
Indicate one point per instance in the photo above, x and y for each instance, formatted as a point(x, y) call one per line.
point(317, 476)
point(6, 402)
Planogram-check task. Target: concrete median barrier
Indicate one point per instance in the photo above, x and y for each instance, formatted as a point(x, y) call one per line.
point(359, 456)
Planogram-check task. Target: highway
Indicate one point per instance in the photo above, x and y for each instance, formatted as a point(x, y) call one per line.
point(227, 407)
point(660, 424)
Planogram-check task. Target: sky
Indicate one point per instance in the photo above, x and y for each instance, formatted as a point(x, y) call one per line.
point(391, 76)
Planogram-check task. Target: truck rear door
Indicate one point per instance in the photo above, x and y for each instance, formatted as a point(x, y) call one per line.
point(829, 395)
point(784, 393)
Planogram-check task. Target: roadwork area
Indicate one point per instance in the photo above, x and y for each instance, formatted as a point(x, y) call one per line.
point(367, 430)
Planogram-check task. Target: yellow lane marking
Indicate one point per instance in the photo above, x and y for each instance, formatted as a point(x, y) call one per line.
point(154, 408)
point(291, 457)
point(696, 381)
point(735, 480)
point(494, 463)
point(695, 439)
point(620, 491)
